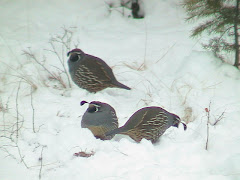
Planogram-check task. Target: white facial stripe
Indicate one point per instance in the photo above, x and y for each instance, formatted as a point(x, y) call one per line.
point(97, 107)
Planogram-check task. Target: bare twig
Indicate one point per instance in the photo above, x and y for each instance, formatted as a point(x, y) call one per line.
point(19, 85)
point(19, 125)
point(166, 53)
point(8, 153)
point(52, 75)
point(33, 111)
point(118, 150)
point(60, 70)
point(219, 118)
point(41, 165)
point(13, 144)
point(21, 157)
point(3, 109)
point(61, 43)
point(59, 79)
point(145, 44)
point(208, 121)
point(32, 56)
point(123, 5)
point(65, 41)
point(21, 77)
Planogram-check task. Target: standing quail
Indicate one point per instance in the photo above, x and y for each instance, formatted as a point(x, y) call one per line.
point(149, 123)
point(135, 10)
point(90, 72)
point(99, 118)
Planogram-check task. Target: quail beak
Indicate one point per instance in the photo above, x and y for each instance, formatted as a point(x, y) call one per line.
point(69, 53)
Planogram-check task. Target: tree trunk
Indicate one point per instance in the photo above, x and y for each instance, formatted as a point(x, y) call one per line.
point(237, 62)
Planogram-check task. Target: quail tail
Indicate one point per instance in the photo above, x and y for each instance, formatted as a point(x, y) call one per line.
point(120, 85)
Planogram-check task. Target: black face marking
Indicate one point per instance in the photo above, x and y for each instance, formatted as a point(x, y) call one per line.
point(176, 124)
point(176, 121)
point(93, 108)
point(75, 57)
point(184, 126)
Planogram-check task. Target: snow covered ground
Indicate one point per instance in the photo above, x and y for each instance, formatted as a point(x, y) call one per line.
point(154, 56)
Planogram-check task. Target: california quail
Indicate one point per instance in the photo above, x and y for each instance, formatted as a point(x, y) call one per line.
point(135, 9)
point(99, 118)
point(90, 72)
point(149, 123)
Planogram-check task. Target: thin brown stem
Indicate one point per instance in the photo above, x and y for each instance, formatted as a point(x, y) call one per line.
point(41, 165)
point(17, 124)
point(33, 111)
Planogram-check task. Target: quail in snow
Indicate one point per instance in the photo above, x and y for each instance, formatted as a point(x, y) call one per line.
point(135, 9)
point(99, 118)
point(149, 123)
point(90, 72)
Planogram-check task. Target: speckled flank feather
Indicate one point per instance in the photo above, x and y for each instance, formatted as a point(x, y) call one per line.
point(83, 77)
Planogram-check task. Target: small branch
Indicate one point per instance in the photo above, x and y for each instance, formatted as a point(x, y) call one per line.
point(166, 52)
point(9, 138)
point(13, 144)
point(31, 55)
point(59, 79)
point(61, 60)
point(52, 75)
point(41, 165)
point(3, 109)
point(219, 118)
point(60, 70)
point(19, 85)
point(8, 153)
point(21, 157)
point(206, 147)
point(33, 111)
point(145, 45)
point(208, 121)
point(21, 77)
point(65, 41)
point(117, 150)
